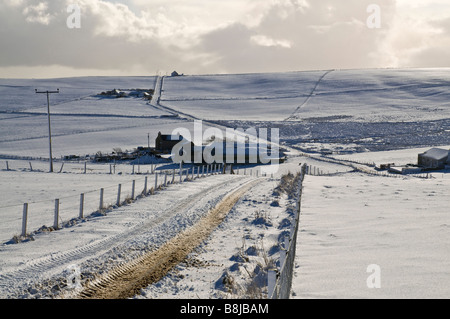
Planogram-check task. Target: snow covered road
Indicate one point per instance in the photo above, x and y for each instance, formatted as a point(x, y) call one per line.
point(40, 268)
point(127, 281)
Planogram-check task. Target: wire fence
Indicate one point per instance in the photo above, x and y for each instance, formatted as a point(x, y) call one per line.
point(280, 281)
point(255, 171)
point(20, 221)
point(82, 167)
point(318, 171)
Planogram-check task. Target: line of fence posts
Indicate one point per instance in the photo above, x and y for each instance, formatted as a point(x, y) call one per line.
point(310, 170)
point(112, 168)
point(210, 170)
point(315, 171)
point(279, 282)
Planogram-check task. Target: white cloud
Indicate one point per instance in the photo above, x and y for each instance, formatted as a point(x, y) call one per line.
point(206, 15)
point(265, 41)
point(13, 3)
point(36, 13)
point(299, 35)
point(418, 34)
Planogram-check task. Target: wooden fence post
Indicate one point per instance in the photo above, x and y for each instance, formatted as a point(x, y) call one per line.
point(101, 198)
point(24, 219)
point(119, 189)
point(133, 187)
point(56, 217)
point(165, 179)
point(287, 240)
point(271, 282)
point(145, 185)
point(81, 215)
point(156, 181)
point(283, 254)
point(85, 164)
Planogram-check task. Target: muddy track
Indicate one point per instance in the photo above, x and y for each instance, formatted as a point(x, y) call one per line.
point(126, 281)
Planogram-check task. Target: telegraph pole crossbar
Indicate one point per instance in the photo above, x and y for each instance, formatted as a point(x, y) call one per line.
point(49, 128)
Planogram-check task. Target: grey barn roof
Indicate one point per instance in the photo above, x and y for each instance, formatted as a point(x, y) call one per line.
point(437, 154)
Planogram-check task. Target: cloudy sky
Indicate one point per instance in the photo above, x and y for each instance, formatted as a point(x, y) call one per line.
point(42, 38)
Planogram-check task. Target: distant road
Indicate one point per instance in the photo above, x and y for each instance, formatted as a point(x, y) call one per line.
point(156, 101)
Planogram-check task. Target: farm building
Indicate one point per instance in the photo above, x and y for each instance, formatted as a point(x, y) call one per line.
point(435, 158)
point(221, 152)
point(238, 154)
point(165, 143)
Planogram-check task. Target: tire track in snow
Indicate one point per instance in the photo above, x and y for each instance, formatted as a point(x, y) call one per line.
point(127, 280)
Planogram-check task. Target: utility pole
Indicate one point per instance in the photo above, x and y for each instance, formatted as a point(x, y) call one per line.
point(49, 129)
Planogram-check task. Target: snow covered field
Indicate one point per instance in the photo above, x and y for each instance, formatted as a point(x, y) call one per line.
point(349, 220)
point(39, 189)
point(352, 221)
point(350, 95)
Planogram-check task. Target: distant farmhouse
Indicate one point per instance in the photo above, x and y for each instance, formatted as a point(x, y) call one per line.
point(175, 73)
point(164, 143)
point(435, 158)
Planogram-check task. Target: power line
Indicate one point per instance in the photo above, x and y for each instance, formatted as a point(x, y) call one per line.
point(49, 128)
